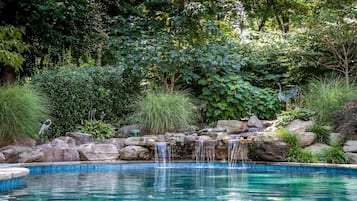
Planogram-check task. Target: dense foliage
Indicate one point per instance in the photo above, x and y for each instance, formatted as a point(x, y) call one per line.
point(229, 97)
point(21, 112)
point(75, 92)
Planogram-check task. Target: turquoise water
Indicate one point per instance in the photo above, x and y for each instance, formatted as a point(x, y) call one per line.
point(185, 183)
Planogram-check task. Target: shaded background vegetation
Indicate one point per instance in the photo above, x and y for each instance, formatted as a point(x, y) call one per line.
point(175, 43)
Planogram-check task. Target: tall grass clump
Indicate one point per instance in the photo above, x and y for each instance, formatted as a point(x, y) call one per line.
point(326, 95)
point(160, 111)
point(21, 111)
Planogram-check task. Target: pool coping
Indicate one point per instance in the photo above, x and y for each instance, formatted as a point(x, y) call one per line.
point(290, 164)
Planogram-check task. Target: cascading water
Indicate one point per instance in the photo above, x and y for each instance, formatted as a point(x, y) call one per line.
point(162, 153)
point(205, 151)
point(238, 150)
point(233, 152)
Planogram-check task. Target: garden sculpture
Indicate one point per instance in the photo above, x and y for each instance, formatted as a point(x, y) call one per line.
point(44, 127)
point(285, 97)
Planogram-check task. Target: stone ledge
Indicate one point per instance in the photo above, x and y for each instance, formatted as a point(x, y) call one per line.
point(13, 173)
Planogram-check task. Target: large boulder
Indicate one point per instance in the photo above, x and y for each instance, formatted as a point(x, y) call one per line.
point(58, 154)
point(299, 126)
point(305, 138)
point(352, 158)
point(98, 152)
point(63, 142)
point(231, 126)
point(135, 153)
point(269, 151)
point(317, 148)
point(2, 158)
point(350, 146)
point(31, 155)
point(118, 142)
point(80, 138)
point(255, 122)
point(146, 141)
point(175, 138)
point(22, 154)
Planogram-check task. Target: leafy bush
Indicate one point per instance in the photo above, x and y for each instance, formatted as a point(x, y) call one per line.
point(160, 111)
point(326, 95)
point(21, 111)
point(229, 97)
point(286, 117)
point(335, 154)
point(322, 132)
point(73, 92)
point(296, 153)
point(98, 129)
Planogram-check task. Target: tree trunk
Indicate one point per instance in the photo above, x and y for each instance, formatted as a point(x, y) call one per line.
point(8, 75)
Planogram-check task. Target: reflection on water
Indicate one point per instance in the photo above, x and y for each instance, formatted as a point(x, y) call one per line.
point(186, 184)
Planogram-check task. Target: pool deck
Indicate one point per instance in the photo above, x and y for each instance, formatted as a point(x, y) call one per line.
point(12, 173)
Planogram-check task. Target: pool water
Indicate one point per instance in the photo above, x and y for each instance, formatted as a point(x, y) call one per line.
point(185, 183)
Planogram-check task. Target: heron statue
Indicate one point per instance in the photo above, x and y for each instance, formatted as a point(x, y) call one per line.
point(285, 97)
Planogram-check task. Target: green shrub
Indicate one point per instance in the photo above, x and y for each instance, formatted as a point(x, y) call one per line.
point(73, 92)
point(229, 97)
point(288, 137)
point(322, 132)
point(286, 117)
point(326, 95)
point(21, 111)
point(98, 129)
point(160, 111)
point(296, 153)
point(335, 154)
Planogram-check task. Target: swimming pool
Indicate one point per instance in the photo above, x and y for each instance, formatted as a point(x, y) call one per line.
point(185, 181)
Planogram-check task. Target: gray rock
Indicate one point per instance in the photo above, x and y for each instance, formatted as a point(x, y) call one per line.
point(352, 158)
point(255, 122)
point(98, 152)
point(63, 142)
point(231, 126)
point(305, 138)
point(350, 146)
point(135, 153)
point(317, 148)
point(31, 155)
point(265, 137)
point(299, 126)
point(174, 138)
point(145, 141)
point(12, 152)
point(269, 151)
point(80, 138)
point(2, 158)
point(58, 154)
point(118, 142)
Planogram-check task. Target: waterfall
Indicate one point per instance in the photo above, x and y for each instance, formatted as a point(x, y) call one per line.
point(233, 152)
point(162, 153)
point(205, 151)
point(238, 149)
